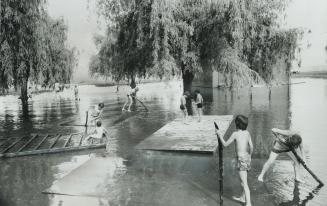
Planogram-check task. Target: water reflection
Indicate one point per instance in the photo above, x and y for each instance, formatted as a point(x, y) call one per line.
point(22, 179)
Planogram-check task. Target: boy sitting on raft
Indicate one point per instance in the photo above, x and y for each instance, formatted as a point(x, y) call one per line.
point(244, 149)
point(99, 135)
point(286, 140)
point(130, 96)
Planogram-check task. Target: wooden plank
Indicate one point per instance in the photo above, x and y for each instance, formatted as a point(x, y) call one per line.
point(53, 150)
point(67, 141)
point(4, 142)
point(39, 145)
point(27, 143)
point(13, 144)
point(56, 140)
point(80, 141)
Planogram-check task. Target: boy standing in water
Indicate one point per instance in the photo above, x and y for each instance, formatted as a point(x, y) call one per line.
point(183, 106)
point(96, 112)
point(76, 92)
point(199, 103)
point(244, 149)
point(286, 140)
point(130, 96)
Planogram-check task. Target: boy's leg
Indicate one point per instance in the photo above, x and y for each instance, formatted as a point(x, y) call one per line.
point(125, 104)
point(266, 166)
point(297, 167)
point(246, 191)
point(130, 102)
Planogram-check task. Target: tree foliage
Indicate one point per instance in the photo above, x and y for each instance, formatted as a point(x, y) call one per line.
point(33, 46)
point(240, 38)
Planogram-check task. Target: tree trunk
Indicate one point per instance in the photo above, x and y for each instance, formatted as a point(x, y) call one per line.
point(187, 87)
point(24, 97)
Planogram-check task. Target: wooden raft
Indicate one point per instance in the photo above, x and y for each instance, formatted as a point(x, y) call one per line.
point(193, 136)
point(44, 144)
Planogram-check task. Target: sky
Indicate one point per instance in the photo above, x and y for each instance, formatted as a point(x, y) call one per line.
point(83, 23)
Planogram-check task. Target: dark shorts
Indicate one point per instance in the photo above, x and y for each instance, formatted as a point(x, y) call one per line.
point(182, 107)
point(199, 105)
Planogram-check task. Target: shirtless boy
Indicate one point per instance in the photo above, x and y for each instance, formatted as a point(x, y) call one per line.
point(244, 149)
point(183, 105)
point(99, 135)
point(130, 96)
point(199, 104)
point(96, 113)
point(285, 141)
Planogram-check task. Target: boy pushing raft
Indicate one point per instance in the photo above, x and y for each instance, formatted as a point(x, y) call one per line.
point(286, 141)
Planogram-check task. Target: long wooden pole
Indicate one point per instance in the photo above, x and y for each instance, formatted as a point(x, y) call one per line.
point(142, 104)
point(300, 160)
point(87, 117)
point(220, 167)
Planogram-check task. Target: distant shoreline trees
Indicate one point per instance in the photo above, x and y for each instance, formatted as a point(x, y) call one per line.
point(33, 47)
point(240, 38)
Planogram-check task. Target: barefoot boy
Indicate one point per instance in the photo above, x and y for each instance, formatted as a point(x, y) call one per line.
point(96, 113)
point(199, 104)
point(183, 106)
point(99, 135)
point(286, 140)
point(244, 149)
point(130, 96)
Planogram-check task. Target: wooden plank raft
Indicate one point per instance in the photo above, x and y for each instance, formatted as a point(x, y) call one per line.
point(193, 136)
point(36, 144)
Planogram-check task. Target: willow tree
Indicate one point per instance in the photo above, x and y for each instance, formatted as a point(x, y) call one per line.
point(239, 38)
point(33, 47)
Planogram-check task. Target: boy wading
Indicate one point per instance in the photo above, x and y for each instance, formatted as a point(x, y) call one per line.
point(244, 149)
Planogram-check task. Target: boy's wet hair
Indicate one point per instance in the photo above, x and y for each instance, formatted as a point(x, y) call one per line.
point(99, 123)
point(295, 141)
point(101, 105)
point(241, 122)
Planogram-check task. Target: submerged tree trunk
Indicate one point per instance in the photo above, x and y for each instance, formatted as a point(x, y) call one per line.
point(187, 87)
point(24, 96)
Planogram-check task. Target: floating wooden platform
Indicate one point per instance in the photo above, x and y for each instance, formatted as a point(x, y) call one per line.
point(44, 144)
point(192, 137)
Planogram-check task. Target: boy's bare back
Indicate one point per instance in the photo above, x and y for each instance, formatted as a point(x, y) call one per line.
point(243, 142)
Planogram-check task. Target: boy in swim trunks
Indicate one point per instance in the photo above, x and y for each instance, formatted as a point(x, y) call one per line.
point(244, 149)
point(286, 140)
point(130, 97)
point(198, 103)
point(183, 106)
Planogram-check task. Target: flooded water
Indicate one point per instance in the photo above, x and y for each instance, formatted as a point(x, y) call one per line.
point(163, 178)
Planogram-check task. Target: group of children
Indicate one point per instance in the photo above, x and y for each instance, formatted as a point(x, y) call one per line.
point(285, 142)
point(197, 101)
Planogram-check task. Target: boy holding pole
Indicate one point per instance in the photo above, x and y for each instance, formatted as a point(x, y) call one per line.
point(244, 149)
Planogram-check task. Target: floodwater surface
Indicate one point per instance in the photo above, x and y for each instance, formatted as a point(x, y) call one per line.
point(165, 178)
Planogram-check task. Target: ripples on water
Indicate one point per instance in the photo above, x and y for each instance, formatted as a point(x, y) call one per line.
point(302, 107)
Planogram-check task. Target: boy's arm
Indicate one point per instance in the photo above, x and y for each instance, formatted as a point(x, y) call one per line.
point(228, 142)
point(250, 144)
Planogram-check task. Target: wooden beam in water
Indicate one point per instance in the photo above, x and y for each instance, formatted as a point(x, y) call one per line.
point(80, 141)
point(67, 141)
point(39, 145)
point(53, 150)
point(56, 140)
point(13, 144)
point(27, 143)
point(4, 142)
